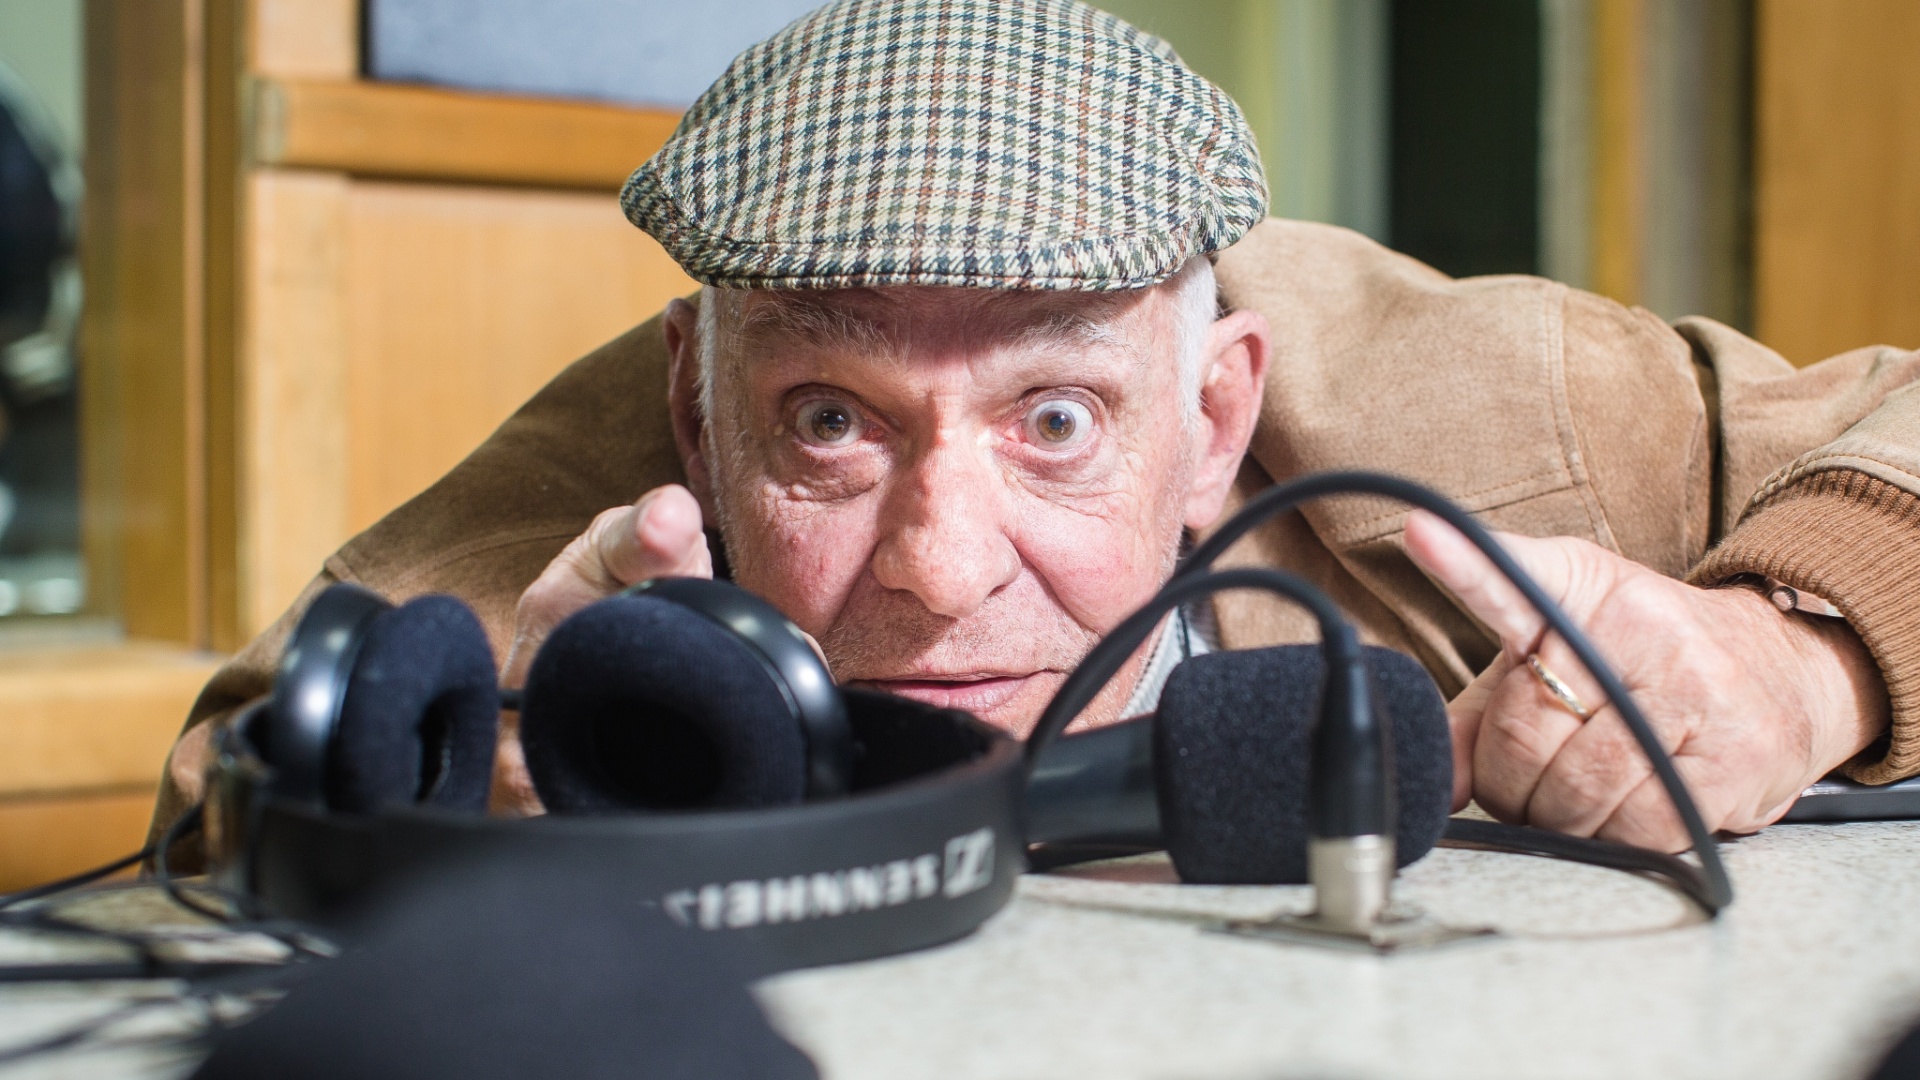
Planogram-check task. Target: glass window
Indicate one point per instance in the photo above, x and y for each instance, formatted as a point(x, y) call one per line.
point(40, 295)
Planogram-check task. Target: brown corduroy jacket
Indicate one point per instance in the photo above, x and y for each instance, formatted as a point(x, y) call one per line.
point(1545, 410)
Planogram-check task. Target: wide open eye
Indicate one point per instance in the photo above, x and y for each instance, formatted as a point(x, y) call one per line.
point(1059, 424)
point(828, 424)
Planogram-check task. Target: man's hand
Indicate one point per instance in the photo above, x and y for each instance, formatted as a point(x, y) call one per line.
point(1753, 704)
point(660, 535)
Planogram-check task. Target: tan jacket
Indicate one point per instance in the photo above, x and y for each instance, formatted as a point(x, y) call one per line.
point(1545, 410)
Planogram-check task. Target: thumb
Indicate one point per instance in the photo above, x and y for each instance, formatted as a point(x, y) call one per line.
point(660, 535)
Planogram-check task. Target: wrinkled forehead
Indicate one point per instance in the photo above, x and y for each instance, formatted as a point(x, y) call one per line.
point(901, 320)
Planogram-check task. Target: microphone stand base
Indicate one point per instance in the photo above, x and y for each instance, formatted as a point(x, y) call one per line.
point(1389, 934)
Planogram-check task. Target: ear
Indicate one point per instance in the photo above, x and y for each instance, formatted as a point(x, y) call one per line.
point(1237, 350)
point(681, 326)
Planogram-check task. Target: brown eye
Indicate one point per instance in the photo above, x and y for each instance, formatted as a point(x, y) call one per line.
point(828, 424)
point(1060, 424)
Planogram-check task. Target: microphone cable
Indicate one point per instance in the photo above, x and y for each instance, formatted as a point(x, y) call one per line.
point(74, 881)
point(1707, 884)
point(1338, 641)
point(224, 991)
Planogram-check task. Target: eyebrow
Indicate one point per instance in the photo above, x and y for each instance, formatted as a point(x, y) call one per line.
point(826, 324)
point(1070, 328)
point(822, 324)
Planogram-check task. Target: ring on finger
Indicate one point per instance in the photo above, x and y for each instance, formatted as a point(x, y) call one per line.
point(1558, 689)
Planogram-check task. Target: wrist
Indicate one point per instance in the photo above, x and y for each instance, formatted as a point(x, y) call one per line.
point(1816, 665)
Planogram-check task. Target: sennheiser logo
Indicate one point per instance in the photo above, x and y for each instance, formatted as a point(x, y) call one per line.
point(738, 905)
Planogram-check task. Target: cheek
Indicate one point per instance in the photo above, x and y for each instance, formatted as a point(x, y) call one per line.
point(804, 557)
point(1099, 562)
point(1104, 556)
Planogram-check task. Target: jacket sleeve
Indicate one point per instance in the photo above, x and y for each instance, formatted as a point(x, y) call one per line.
point(1841, 517)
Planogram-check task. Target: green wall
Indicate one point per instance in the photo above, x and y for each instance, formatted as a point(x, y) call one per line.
point(1310, 75)
point(40, 42)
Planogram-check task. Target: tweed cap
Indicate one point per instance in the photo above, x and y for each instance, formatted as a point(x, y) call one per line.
point(1006, 144)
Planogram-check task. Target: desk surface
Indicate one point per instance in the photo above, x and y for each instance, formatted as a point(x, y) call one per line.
point(1111, 972)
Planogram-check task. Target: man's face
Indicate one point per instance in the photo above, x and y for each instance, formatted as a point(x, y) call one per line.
point(956, 491)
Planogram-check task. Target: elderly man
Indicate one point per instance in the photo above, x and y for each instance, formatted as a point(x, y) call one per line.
point(992, 326)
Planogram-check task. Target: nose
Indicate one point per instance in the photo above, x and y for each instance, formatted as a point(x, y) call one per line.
point(943, 531)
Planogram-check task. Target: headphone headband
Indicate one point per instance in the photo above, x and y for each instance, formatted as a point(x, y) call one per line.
point(926, 847)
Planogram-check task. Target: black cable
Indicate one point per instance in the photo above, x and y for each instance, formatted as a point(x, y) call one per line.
point(127, 970)
point(1528, 840)
point(84, 877)
point(183, 825)
point(206, 979)
point(1287, 496)
point(148, 963)
point(240, 980)
point(75, 1035)
point(240, 915)
point(1337, 639)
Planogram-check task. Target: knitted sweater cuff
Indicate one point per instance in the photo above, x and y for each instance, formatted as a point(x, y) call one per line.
point(1854, 540)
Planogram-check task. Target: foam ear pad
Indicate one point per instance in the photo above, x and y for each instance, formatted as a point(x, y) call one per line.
point(1232, 746)
point(421, 713)
point(639, 703)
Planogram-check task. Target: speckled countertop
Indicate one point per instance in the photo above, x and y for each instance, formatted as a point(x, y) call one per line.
point(1111, 973)
point(1812, 973)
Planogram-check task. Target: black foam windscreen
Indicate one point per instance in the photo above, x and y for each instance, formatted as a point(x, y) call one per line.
point(421, 713)
point(1231, 754)
point(638, 703)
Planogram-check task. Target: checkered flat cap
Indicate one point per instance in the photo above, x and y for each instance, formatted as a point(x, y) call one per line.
point(1002, 144)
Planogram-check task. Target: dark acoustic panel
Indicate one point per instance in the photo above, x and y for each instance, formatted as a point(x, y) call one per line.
point(1465, 134)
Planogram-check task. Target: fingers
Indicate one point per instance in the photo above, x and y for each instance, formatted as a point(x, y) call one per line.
point(1538, 763)
point(1521, 732)
point(1596, 770)
point(1718, 694)
point(1572, 572)
point(1646, 817)
point(660, 535)
point(512, 793)
point(1464, 714)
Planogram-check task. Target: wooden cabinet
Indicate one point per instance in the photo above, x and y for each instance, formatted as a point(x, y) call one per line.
point(1836, 175)
point(309, 296)
point(412, 264)
point(392, 325)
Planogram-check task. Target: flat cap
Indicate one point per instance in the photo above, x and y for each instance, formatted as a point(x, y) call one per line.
point(1004, 144)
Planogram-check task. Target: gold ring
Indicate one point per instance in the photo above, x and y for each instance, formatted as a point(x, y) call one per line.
point(1561, 692)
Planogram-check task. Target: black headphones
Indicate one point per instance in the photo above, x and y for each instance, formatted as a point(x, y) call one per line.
point(683, 730)
point(687, 733)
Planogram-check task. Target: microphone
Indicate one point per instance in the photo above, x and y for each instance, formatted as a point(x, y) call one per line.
point(1226, 752)
point(1222, 776)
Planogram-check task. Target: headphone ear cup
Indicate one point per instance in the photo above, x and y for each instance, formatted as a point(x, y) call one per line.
point(421, 714)
point(639, 703)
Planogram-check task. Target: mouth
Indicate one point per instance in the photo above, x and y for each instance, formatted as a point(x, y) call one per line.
point(972, 693)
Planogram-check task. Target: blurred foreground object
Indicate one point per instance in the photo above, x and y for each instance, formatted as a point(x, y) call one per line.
point(515, 969)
